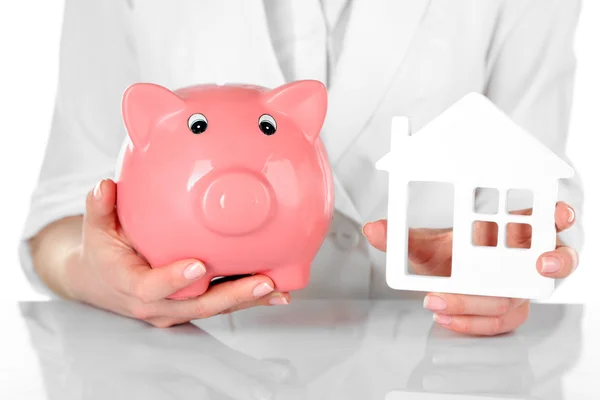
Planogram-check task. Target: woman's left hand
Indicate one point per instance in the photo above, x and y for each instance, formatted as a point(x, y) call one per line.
point(430, 253)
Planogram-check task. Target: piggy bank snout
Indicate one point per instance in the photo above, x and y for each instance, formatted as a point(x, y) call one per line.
point(235, 202)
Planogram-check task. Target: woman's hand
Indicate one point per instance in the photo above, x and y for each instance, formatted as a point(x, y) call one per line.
point(430, 253)
point(103, 270)
point(185, 363)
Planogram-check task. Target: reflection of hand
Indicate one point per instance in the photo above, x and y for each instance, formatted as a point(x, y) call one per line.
point(115, 357)
point(473, 365)
point(195, 356)
point(430, 253)
point(106, 272)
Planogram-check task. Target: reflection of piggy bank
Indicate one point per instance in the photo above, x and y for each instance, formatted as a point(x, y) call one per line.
point(235, 176)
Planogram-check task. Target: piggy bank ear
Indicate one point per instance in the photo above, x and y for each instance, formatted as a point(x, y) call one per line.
point(144, 105)
point(303, 101)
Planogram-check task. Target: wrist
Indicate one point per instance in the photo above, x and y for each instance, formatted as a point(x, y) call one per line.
point(56, 253)
point(56, 269)
point(68, 271)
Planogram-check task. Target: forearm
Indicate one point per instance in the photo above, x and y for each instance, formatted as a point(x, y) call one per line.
point(94, 35)
point(51, 250)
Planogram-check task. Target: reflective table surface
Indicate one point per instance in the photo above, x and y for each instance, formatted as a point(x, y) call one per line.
point(311, 349)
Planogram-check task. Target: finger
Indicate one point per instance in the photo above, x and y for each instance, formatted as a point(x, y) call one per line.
point(504, 379)
point(469, 353)
point(263, 369)
point(564, 216)
point(218, 375)
point(273, 299)
point(559, 263)
point(484, 326)
point(100, 207)
point(218, 298)
point(526, 211)
point(458, 304)
point(427, 248)
point(165, 322)
point(485, 233)
point(166, 387)
point(150, 284)
point(518, 235)
point(376, 234)
point(430, 251)
point(188, 346)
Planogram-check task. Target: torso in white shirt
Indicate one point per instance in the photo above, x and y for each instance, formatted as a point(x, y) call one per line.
point(307, 36)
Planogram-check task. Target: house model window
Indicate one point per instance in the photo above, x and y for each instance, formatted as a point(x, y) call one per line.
point(501, 218)
point(505, 191)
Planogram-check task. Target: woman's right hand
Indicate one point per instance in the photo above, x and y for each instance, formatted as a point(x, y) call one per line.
point(106, 272)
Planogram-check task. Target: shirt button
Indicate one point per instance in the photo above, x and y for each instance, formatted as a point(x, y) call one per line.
point(346, 236)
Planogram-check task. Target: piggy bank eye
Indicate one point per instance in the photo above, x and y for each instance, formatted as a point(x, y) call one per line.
point(197, 123)
point(267, 124)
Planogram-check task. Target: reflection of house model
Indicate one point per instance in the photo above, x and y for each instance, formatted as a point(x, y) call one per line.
point(476, 148)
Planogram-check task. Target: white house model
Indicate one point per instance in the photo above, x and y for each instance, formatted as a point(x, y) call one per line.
point(474, 146)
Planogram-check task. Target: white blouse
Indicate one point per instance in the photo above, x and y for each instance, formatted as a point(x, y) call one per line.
point(378, 58)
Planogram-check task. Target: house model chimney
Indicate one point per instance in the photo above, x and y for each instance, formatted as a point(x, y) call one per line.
point(400, 132)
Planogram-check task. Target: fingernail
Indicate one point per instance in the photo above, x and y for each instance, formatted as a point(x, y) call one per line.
point(278, 300)
point(550, 264)
point(434, 303)
point(442, 319)
point(98, 191)
point(571, 214)
point(364, 228)
point(262, 290)
point(194, 271)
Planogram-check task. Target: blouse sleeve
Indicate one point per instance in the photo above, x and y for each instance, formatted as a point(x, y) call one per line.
point(97, 63)
point(531, 69)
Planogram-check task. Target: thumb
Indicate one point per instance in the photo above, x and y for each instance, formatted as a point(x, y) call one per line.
point(422, 241)
point(376, 234)
point(100, 206)
point(427, 248)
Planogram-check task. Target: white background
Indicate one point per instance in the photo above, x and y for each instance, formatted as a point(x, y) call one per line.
point(29, 45)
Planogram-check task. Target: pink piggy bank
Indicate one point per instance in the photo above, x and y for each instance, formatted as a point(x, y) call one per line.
point(235, 176)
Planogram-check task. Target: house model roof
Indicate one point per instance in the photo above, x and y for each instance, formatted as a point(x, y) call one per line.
point(471, 139)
